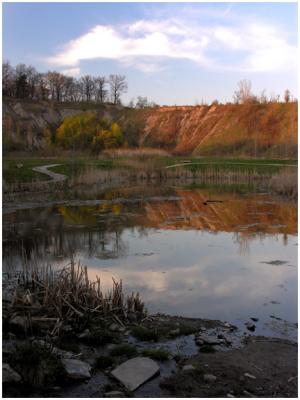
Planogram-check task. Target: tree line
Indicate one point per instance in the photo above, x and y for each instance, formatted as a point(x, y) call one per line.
point(24, 81)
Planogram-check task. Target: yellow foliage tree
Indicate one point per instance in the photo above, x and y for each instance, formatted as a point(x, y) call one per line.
point(88, 131)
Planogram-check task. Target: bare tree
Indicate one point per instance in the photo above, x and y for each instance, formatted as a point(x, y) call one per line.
point(32, 79)
point(243, 94)
point(118, 86)
point(8, 79)
point(287, 96)
point(55, 83)
point(263, 97)
point(88, 87)
point(142, 102)
point(100, 89)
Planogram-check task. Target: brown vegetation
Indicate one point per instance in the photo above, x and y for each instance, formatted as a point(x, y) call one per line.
point(68, 296)
point(285, 183)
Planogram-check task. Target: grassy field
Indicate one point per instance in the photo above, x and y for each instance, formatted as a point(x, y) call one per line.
point(20, 169)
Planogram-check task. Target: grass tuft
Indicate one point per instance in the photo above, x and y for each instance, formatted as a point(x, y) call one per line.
point(144, 334)
point(124, 350)
point(159, 354)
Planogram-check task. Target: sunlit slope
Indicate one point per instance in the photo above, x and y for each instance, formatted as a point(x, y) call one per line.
point(247, 129)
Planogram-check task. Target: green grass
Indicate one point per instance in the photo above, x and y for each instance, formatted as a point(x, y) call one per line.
point(11, 173)
point(124, 350)
point(144, 334)
point(160, 354)
point(104, 362)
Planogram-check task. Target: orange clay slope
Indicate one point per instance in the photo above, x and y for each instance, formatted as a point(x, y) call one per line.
point(268, 130)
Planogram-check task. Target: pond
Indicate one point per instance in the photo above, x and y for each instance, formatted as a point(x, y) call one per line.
point(194, 252)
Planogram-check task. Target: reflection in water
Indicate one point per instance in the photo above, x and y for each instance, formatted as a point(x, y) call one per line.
point(185, 255)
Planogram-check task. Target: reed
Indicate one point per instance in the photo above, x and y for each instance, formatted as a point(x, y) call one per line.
point(69, 297)
point(285, 183)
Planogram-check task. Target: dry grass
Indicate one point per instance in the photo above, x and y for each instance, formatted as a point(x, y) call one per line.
point(149, 173)
point(137, 152)
point(68, 296)
point(285, 183)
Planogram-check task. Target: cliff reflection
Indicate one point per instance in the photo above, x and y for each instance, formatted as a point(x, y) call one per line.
point(96, 230)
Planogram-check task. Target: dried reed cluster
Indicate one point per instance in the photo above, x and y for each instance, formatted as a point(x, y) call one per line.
point(68, 296)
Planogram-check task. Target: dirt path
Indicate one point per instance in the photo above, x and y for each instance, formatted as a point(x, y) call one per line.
point(210, 163)
point(56, 177)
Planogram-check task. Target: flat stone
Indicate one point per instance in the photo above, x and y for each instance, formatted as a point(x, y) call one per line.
point(114, 393)
point(230, 395)
point(208, 339)
point(76, 369)
point(9, 375)
point(188, 367)
point(209, 378)
point(133, 373)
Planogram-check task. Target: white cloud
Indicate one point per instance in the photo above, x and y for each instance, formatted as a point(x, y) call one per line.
point(249, 46)
point(71, 71)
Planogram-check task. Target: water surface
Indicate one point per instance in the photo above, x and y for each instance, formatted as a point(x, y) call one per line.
point(191, 252)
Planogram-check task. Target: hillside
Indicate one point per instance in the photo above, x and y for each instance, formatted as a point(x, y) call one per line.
point(248, 129)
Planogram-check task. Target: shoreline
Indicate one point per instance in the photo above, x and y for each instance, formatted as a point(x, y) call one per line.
point(234, 366)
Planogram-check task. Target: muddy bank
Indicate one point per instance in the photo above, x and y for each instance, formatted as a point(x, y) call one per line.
point(263, 368)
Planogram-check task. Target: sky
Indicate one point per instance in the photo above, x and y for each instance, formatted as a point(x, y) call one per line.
point(173, 53)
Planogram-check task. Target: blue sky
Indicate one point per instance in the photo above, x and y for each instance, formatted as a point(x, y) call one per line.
point(173, 53)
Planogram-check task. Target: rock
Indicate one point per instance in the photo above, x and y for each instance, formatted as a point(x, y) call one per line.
point(8, 347)
point(292, 378)
point(248, 394)
point(208, 339)
point(76, 369)
point(114, 393)
point(188, 367)
point(250, 326)
point(254, 319)
point(19, 165)
point(209, 378)
point(199, 342)
point(9, 375)
point(133, 373)
point(249, 376)
point(227, 340)
point(230, 395)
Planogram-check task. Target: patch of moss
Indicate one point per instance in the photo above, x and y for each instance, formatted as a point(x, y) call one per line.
point(124, 350)
point(160, 354)
point(37, 365)
point(144, 334)
point(207, 349)
point(102, 336)
point(104, 362)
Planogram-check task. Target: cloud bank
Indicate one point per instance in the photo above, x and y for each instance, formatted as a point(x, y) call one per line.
point(246, 46)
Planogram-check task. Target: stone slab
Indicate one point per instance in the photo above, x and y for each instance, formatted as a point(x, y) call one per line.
point(133, 373)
